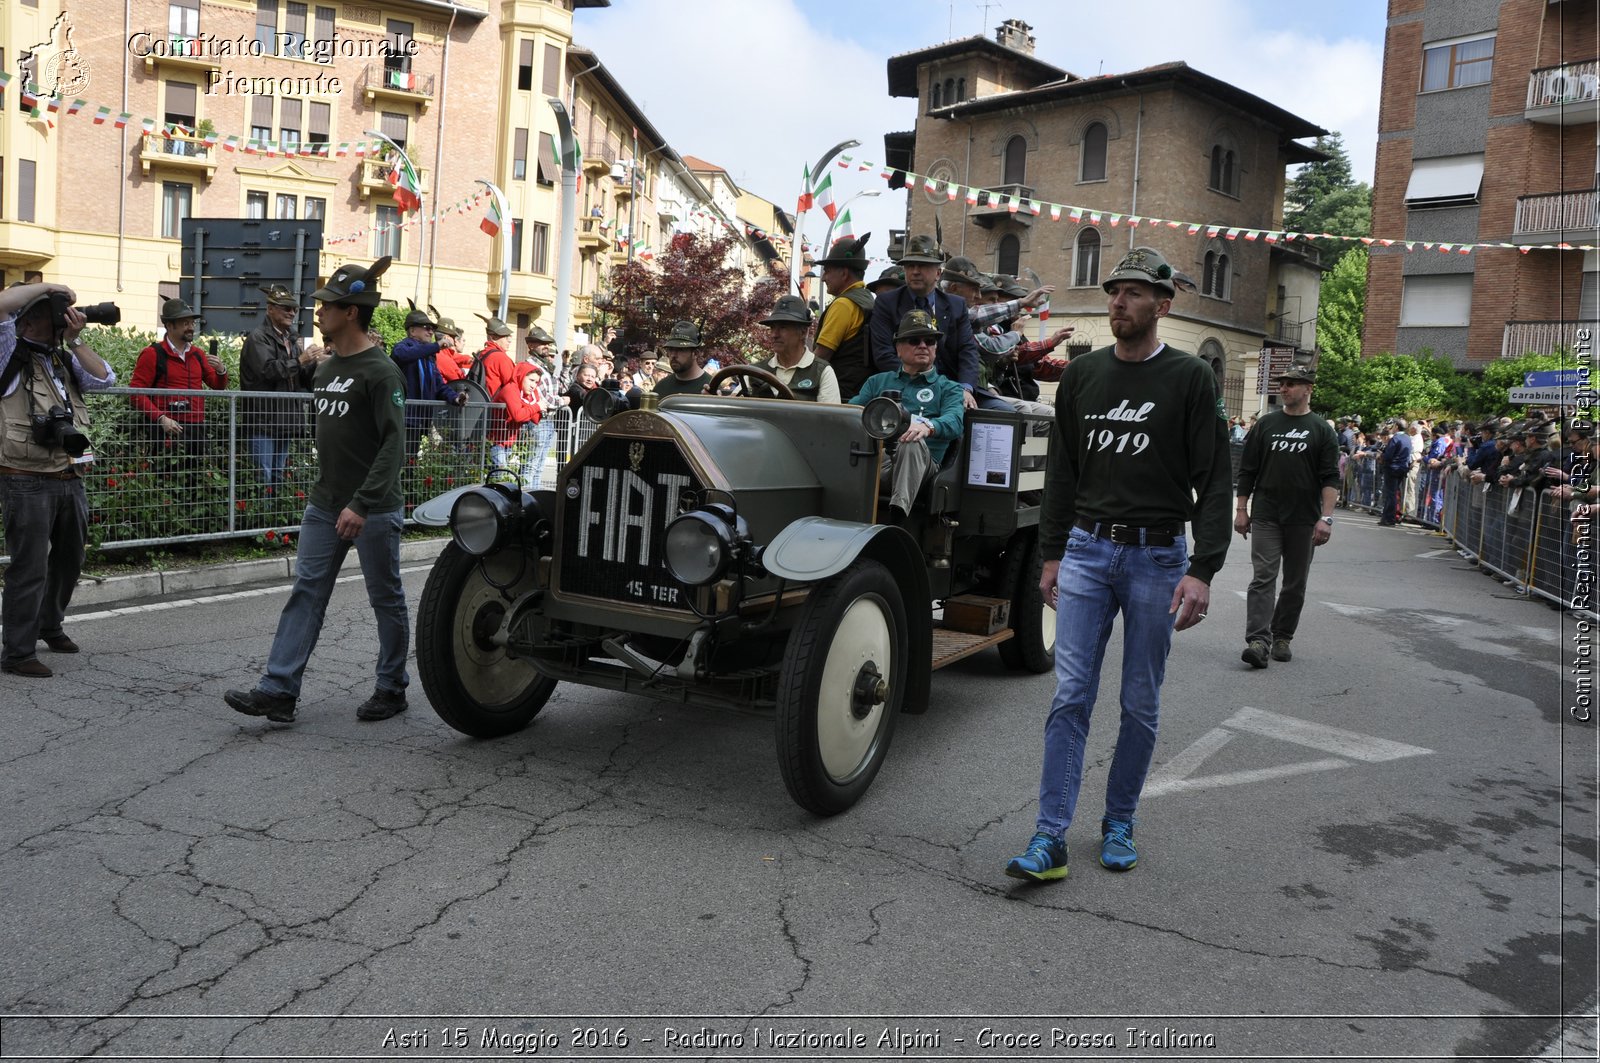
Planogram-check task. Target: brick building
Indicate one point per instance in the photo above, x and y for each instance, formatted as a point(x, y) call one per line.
point(1486, 133)
point(463, 86)
point(1167, 141)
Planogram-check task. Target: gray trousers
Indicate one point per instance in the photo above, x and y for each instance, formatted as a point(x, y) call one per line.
point(46, 523)
point(1272, 546)
point(905, 471)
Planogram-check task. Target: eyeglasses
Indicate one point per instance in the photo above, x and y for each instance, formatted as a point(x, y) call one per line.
point(921, 341)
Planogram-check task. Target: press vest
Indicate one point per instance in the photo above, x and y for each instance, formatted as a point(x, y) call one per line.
point(852, 362)
point(17, 448)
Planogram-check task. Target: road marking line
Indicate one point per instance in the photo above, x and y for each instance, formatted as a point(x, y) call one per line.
point(1319, 736)
point(1354, 610)
point(1175, 775)
point(1437, 553)
point(168, 603)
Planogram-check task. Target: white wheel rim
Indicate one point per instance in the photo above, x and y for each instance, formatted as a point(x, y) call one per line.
point(863, 635)
point(490, 676)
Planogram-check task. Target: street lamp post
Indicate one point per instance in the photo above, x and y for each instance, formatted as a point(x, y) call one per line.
point(569, 225)
point(505, 249)
point(422, 219)
point(797, 253)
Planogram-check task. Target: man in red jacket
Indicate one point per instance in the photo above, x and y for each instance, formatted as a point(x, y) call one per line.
point(175, 362)
point(504, 380)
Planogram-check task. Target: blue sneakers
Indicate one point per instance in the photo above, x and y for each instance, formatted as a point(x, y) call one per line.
point(1116, 845)
point(1044, 861)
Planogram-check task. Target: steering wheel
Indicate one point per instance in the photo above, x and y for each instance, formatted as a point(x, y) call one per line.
point(761, 376)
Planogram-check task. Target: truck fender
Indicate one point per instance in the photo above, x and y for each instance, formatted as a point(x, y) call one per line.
point(814, 548)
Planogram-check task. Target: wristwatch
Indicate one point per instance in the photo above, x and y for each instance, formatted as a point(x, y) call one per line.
point(1328, 521)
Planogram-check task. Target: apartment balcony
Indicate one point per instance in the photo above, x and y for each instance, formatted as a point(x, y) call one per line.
point(26, 244)
point(595, 165)
point(582, 307)
point(527, 292)
point(182, 153)
point(590, 236)
point(1557, 218)
point(1001, 203)
point(183, 54)
point(1565, 95)
point(381, 84)
point(1540, 337)
point(375, 178)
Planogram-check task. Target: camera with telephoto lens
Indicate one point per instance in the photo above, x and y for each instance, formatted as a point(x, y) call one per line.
point(55, 429)
point(98, 314)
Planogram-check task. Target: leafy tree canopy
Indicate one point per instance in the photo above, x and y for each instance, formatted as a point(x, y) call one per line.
point(693, 281)
point(1324, 197)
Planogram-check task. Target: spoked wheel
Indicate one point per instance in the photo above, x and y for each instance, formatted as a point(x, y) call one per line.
point(474, 685)
point(1032, 646)
point(841, 687)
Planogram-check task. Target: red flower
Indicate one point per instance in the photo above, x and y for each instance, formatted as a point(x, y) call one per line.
point(272, 536)
point(427, 481)
point(299, 494)
point(110, 482)
point(242, 505)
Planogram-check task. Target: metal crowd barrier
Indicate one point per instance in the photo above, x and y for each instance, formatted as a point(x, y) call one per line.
point(243, 466)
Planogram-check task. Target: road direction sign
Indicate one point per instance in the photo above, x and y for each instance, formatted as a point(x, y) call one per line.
point(1554, 378)
point(1549, 396)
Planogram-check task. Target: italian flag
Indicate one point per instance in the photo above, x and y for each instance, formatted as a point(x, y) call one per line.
point(149, 125)
point(406, 186)
point(122, 120)
point(845, 230)
point(491, 219)
point(803, 204)
point(76, 106)
point(825, 197)
point(101, 113)
point(402, 79)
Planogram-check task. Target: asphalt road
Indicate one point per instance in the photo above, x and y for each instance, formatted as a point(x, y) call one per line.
point(1384, 848)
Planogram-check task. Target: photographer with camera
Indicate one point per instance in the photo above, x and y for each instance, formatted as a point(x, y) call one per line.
point(175, 362)
point(44, 370)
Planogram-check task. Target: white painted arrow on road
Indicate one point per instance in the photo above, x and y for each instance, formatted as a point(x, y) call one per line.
point(1177, 774)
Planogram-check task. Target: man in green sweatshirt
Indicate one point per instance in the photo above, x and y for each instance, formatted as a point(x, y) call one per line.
point(356, 501)
point(1288, 483)
point(1139, 450)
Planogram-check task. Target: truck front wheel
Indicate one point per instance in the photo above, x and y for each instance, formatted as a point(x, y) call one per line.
point(842, 685)
point(473, 684)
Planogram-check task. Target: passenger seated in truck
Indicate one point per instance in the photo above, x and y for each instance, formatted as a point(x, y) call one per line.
point(934, 403)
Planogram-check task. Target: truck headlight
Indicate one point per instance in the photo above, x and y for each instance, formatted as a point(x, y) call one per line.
point(701, 544)
point(885, 418)
point(480, 519)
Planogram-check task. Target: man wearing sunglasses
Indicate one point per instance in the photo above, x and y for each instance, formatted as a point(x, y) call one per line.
point(934, 401)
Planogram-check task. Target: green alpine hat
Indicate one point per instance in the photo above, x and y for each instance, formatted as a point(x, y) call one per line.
point(962, 270)
point(789, 310)
point(278, 295)
point(922, 249)
point(176, 310)
point(1143, 264)
point(683, 336)
point(354, 285)
point(849, 252)
point(418, 318)
point(1303, 373)
point(448, 327)
point(916, 324)
point(495, 326)
point(892, 277)
point(539, 335)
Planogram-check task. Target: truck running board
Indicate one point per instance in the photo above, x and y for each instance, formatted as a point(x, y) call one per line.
point(950, 646)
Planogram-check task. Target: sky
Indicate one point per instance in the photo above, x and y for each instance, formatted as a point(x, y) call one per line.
point(763, 87)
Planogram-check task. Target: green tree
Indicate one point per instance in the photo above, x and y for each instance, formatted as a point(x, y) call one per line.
point(693, 281)
point(1324, 197)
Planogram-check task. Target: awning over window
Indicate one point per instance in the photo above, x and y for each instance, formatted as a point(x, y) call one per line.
point(1449, 181)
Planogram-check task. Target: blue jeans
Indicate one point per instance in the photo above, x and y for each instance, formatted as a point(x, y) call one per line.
point(46, 523)
point(1097, 580)
point(317, 560)
point(544, 439)
point(272, 455)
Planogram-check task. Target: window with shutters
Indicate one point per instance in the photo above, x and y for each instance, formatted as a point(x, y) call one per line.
point(519, 155)
point(552, 70)
point(1015, 169)
point(1438, 301)
point(27, 176)
point(1009, 255)
point(1086, 259)
point(395, 127)
point(267, 26)
point(516, 245)
point(289, 114)
point(180, 112)
point(183, 24)
point(525, 65)
point(541, 247)
point(319, 116)
point(261, 118)
point(386, 231)
point(1092, 166)
point(545, 165)
point(322, 30)
point(398, 38)
point(176, 199)
point(1457, 63)
point(294, 25)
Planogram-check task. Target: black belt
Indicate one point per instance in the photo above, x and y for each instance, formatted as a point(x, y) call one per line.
point(59, 474)
point(1131, 535)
